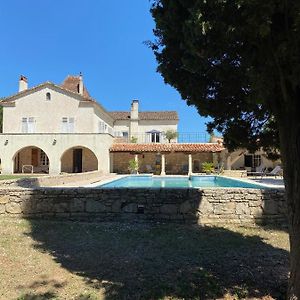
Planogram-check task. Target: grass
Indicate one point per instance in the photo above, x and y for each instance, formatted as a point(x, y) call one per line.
point(42, 259)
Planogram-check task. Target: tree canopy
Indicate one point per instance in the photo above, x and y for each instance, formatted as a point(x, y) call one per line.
point(227, 58)
point(238, 61)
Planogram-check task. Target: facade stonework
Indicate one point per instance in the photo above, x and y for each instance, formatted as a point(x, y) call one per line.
point(207, 206)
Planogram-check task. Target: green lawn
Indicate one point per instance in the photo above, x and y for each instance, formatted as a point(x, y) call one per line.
point(42, 259)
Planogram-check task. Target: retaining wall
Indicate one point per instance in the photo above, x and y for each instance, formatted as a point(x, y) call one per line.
point(208, 206)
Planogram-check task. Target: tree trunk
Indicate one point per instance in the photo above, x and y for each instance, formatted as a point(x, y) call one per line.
point(290, 151)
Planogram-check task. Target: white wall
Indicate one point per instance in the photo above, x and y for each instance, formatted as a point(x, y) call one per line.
point(99, 144)
point(145, 126)
point(238, 162)
point(48, 114)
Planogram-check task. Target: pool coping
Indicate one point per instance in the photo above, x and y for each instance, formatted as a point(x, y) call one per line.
point(119, 177)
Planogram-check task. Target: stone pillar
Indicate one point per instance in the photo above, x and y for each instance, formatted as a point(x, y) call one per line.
point(136, 158)
point(190, 165)
point(163, 165)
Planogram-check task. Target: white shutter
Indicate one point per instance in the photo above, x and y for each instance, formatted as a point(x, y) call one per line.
point(71, 125)
point(64, 125)
point(31, 125)
point(148, 137)
point(24, 125)
point(101, 127)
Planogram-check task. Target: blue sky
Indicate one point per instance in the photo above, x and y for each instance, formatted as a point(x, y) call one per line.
point(47, 40)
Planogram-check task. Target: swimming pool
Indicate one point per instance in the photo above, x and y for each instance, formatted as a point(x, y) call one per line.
point(179, 182)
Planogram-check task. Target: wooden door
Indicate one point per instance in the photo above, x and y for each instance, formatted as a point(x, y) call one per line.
point(77, 160)
point(35, 157)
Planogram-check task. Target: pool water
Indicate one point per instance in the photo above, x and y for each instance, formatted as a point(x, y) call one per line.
point(179, 182)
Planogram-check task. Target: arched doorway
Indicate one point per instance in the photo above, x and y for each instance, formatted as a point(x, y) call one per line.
point(31, 159)
point(78, 159)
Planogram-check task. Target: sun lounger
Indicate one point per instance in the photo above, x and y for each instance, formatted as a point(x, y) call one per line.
point(260, 170)
point(277, 171)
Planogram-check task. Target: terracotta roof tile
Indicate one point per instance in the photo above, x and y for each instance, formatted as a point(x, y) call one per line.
point(172, 147)
point(71, 83)
point(146, 115)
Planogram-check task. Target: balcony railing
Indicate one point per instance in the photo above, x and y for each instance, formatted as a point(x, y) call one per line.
point(159, 137)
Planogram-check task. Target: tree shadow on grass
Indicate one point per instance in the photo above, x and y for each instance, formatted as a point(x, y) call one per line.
point(153, 261)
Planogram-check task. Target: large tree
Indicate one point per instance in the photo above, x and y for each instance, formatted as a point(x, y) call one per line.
point(238, 61)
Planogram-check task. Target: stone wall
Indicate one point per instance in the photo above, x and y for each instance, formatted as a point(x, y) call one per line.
point(208, 206)
point(235, 173)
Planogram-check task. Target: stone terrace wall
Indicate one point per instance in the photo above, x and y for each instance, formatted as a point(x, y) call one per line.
point(208, 206)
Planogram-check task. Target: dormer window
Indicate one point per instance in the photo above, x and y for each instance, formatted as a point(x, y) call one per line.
point(48, 96)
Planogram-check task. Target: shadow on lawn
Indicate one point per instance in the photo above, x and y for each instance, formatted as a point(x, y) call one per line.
point(153, 261)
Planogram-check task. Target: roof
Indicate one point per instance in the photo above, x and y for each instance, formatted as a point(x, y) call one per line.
point(171, 147)
point(71, 83)
point(146, 115)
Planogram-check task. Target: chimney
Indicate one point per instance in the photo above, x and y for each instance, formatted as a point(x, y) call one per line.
point(134, 112)
point(23, 85)
point(80, 88)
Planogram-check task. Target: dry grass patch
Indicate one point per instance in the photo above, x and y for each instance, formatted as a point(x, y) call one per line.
point(42, 259)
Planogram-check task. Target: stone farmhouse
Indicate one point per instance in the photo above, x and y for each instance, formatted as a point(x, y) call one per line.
point(55, 129)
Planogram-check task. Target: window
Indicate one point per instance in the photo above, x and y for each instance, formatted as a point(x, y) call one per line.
point(28, 125)
point(118, 134)
point(154, 136)
point(256, 160)
point(68, 125)
point(48, 96)
point(121, 134)
point(44, 159)
point(252, 160)
point(103, 128)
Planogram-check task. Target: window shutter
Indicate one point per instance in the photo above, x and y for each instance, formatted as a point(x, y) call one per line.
point(64, 125)
point(101, 127)
point(31, 127)
point(24, 125)
point(71, 124)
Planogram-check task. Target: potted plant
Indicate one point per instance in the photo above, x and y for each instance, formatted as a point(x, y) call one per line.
point(133, 166)
point(133, 140)
point(171, 135)
point(208, 167)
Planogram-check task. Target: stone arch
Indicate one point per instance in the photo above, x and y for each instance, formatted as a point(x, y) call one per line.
point(78, 159)
point(31, 159)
